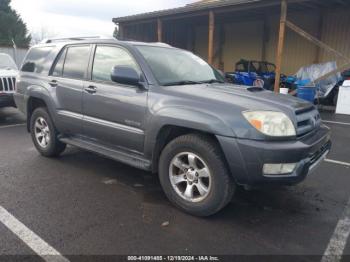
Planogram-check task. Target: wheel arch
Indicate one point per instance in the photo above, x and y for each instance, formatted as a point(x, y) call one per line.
point(168, 133)
point(172, 121)
point(37, 97)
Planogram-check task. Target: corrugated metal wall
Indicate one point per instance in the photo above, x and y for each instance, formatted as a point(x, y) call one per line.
point(336, 33)
point(242, 40)
point(245, 40)
point(18, 55)
point(201, 41)
point(298, 51)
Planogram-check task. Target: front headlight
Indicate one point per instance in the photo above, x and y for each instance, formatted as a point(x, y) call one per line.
point(271, 123)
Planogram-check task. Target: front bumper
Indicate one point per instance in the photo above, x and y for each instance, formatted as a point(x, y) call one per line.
point(246, 158)
point(6, 100)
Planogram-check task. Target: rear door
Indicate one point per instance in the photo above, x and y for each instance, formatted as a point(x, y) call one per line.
point(114, 114)
point(67, 79)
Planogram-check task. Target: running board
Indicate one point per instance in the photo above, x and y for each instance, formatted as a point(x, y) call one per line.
point(123, 157)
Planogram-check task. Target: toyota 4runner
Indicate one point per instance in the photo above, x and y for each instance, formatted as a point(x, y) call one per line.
point(167, 111)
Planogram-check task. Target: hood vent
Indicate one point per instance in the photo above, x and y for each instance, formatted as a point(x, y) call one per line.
point(254, 89)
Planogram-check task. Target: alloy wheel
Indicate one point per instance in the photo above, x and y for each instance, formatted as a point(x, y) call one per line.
point(42, 132)
point(190, 177)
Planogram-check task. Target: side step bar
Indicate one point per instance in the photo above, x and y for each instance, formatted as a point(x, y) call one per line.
point(123, 157)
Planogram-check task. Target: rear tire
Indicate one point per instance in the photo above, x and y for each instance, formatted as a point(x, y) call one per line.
point(194, 175)
point(44, 134)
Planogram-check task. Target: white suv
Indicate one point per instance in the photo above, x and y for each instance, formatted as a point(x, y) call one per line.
point(8, 74)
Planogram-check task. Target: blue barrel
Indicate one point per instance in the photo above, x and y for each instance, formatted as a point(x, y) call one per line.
point(307, 93)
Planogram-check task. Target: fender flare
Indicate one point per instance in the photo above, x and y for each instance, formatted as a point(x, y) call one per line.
point(43, 94)
point(185, 118)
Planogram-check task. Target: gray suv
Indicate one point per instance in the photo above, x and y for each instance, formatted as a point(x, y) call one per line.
point(167, 111)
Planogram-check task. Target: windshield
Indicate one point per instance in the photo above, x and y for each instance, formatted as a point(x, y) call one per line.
point(6, 62)
point(175, 67)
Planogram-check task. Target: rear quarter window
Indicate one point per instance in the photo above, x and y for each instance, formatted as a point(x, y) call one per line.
point(35, 60)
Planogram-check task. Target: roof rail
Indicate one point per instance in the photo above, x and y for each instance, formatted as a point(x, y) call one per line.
point(53, 40)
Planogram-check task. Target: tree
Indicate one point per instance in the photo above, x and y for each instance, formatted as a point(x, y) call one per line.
point(115, 33)
point(12, 26)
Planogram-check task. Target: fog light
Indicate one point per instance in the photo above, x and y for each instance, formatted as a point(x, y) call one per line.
point(278, 169)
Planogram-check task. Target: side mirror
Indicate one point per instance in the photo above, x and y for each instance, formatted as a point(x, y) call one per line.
point(28, 67)
point(125, 75)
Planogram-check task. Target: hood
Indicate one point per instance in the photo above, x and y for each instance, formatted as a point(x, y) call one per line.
point(8, 73)
point(243, 97)
point(227, 102)
point(262, 99)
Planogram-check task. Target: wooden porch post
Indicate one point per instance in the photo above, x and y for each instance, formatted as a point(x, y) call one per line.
point(159, 30)
point(211, 37)
point(280, 44)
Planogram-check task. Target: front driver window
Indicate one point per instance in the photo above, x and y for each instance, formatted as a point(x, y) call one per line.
point(106, 57)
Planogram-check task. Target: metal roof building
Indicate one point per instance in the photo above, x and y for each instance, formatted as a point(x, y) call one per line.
point(224, 31)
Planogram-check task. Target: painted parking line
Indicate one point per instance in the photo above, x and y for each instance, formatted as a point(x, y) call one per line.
point(32, 240)
point(335, 122)
point(8, 126)
point(336, 246)
point(337, 162)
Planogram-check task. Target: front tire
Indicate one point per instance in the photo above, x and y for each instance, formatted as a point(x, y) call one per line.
point(44, 134)
point(194, 175)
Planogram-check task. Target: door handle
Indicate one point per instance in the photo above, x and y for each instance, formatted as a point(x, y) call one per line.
point(91, 89)
point(53, 83)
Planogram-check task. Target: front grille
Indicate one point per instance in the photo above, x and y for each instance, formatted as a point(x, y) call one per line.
point(315, 156)
point(7, 84)
point(308, 119)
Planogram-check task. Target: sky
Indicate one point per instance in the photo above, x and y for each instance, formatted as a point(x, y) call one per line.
point(66, 18)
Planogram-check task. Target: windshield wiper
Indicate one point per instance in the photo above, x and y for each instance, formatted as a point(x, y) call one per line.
point(182, 83)
point(211, 81)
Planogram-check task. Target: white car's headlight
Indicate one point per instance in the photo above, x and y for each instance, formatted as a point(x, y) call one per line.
point(271, 123)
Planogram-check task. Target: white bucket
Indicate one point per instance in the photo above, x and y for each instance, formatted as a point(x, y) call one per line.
point(343, 104)
point(284, 90)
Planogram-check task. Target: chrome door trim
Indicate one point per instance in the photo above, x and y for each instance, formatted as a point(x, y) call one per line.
point(70, 114)
point(113, 125)
point(101, 122)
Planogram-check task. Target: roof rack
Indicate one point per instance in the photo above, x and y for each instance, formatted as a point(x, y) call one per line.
point(53, 40)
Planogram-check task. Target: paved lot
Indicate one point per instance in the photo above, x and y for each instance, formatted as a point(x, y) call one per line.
point(83, 204)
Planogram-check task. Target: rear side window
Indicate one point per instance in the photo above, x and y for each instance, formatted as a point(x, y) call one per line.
point(76, 62)
point(34, 62)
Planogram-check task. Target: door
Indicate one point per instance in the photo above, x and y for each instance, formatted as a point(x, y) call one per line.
point(67, 79)
point(114, 114)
